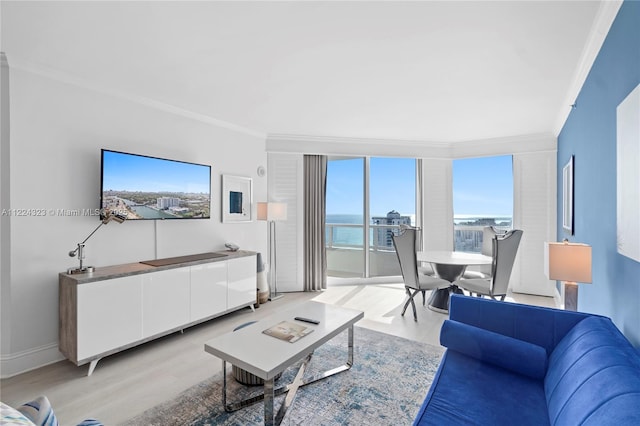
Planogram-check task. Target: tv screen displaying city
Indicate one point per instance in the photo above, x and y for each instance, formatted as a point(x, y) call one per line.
point(143, 187)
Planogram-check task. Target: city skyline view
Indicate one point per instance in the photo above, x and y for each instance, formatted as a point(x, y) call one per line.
point(482, 187)
point(482, 195)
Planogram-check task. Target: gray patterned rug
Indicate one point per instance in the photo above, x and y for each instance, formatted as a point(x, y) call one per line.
point(386, 385)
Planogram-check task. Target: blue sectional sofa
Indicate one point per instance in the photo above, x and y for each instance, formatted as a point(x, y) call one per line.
point(510, 364)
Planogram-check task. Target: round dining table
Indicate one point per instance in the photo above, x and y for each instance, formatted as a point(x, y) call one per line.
point(450, 266)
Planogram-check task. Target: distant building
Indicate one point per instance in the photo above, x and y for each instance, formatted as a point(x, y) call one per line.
point(180, 210)
point(382, 236)
point(164, 203)
point(468, 233)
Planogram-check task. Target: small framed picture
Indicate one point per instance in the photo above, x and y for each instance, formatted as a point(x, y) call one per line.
point(237, 199)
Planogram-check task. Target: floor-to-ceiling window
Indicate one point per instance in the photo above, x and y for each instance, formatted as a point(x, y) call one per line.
point(368, 199)
point(344, 217)
point(482, 196)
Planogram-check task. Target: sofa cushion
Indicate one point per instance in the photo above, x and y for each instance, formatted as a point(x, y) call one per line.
point(544, 327)
point(502, 351)
point(593, 377)
point(467, 391)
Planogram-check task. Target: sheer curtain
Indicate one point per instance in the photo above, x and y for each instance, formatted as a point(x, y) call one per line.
point(315, 258)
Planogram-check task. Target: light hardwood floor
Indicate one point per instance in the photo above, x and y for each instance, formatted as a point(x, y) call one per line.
point(128, 383)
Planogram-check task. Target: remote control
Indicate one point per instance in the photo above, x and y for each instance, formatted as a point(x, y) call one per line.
point(309, 320)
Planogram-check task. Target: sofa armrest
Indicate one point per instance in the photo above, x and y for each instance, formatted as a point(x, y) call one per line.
point(40, 413)
point(497, 349)
point(9, 416)
point(541, 326)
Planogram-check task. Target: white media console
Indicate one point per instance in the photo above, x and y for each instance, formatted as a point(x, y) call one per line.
point(117, 307)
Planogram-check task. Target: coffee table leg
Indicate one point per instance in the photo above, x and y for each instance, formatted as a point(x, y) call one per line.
point(336, 370)
point(293, 388)
point(268, 402)
point(350, 343)
point(270, 392)
point(224, 385)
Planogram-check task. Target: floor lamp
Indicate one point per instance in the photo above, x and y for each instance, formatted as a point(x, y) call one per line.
point(571, 263)
point(272, 213)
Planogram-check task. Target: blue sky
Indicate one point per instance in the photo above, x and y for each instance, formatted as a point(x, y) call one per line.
point(392, 186)
point(127, 172)
point(481, 186)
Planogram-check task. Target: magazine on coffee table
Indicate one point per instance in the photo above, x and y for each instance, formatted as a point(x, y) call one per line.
point(289, 331)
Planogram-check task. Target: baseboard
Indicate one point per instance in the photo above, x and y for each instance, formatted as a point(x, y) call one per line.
point(21, 362)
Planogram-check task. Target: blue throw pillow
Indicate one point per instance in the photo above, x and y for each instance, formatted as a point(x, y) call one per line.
point(503, 351)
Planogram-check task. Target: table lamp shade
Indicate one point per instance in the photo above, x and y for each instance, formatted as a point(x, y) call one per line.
point(568, 262)
point(272, 211)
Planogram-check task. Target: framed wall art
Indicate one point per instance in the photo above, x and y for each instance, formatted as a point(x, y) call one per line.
point(237, 199)
point(567, 197)
point(628, 175)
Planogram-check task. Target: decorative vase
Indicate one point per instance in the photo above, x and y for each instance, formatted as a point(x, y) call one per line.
point(261, 278)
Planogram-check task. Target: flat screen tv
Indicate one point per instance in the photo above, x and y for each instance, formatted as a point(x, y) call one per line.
point(143, 187)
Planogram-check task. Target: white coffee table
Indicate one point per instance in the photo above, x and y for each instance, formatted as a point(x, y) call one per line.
point(266, 356)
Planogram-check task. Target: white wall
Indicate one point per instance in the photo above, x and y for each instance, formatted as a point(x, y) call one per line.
point(57, 131)
point(5, 235)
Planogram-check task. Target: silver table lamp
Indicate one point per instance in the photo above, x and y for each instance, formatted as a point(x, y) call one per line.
point(108, 216)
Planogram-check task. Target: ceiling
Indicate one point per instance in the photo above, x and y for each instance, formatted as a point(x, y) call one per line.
point(424, 71)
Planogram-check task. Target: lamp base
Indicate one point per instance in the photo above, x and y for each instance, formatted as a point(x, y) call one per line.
point(84, 270)
point(570, 296)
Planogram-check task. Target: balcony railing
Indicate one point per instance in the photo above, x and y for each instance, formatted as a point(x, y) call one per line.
point(345, 257)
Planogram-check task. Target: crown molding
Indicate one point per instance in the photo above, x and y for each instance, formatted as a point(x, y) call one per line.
point(324, 145)
point(601, 25)
point(517, 144)
point(67, 78)
point(353, 140)
point(349, 146)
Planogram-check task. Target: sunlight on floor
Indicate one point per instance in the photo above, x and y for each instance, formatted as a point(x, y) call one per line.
point(382, 303)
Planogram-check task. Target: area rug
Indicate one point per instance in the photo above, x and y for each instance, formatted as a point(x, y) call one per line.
point(386, 385)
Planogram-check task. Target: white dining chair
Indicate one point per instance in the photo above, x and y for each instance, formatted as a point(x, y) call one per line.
point(505, 248)
point(414, 282)
point(484, 271)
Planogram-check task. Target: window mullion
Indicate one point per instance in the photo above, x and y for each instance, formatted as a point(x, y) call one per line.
point(366, 217)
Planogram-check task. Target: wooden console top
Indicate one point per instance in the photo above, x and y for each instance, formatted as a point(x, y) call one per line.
point(115, 271)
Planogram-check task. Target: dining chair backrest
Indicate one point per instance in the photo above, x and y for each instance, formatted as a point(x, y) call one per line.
point(488, 232)
point(403, 227)
point(505, 248)
point(405, 245)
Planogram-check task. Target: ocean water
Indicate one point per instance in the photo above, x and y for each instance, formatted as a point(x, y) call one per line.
point(353, 236)
point(358, 219)
point(348, 236)
point(345, 218)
